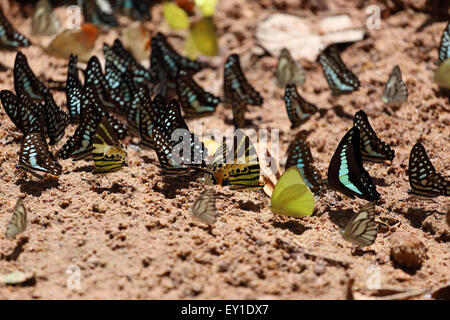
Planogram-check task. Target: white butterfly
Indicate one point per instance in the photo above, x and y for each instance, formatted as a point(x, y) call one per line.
point(361, 229)
point(288, 71)
point(396, 91)
point(204, 208)
point(18, 222)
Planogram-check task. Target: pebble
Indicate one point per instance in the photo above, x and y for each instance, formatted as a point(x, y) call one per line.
point(406, 250)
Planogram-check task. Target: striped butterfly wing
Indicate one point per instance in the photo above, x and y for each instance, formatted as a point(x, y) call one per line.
point(423, 178)
point(35, 158)
point(346, 173)
point(26, 80)
point(56, 119)
point(73, 90)
point(139, 96)
point(94, 74)
point(241, 169)
point(122, 87)
point(340, 79)
point(288, 71)
point(361, 230)
point(444, 47)
point(18, 222)
point(396, 91)
point(204, 208)
point(235, 85)
point(23, 112)
point(44, 22)
point(108, 153)
point(239, 109)
point(195, 101)
point(298, 109)
point(9, 37)
point(99, 12)
point(147, 119)
point(299, 155)
point(372, 148)
point(79, 146)
point(125, 58)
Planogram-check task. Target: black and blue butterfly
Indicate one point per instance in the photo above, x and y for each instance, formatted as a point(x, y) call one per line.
point(444, 47)
point(25, 80)
point(73, 90)
point(340, 79)
point(423, 178)
point(9, 38)
point(195, 101)
point(135, 9)
point(346, 173)
point(372, 148)
point(100, 14)
point(298, 109)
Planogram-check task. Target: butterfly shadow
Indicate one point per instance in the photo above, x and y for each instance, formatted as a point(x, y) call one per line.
point(292, 225)
point(340, 112)
point(416, 216)
point(114, 188)
point(171, 185)
point(359, 252)
point(249, 205)
point(35, 188)
point(248, 123)
point(340, 217)
point(17, 250)
point(87, 168)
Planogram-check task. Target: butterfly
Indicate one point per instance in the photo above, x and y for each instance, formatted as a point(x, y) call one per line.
point(35, 157)
point(340, 79)
point(121, 85)
point(444, 47)
point(194, 100)
point(108, 153)
point(10, 38)
point(423, 178)
point(56, 119)
point(73, 90)
point(291, 196)
point(204, 208)
point(298, 109)
point(361, 229)
point(236, 87)
point(94, 74)
point(288, 71)
point(299, 155)
point(346, 173)
point(396, 91)
point(44, 22)
point(99, 12)
point(238, 168)
point(18, 222)
point(26, 80)
point(79, 146)
point(135, 9)
point(372, 148)
point(152, 113)
point(23, 112)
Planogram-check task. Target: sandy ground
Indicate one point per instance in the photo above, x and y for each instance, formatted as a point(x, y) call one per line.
point(132, 235)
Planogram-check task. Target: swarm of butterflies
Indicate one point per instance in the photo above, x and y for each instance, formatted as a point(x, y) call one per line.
point(124, 88)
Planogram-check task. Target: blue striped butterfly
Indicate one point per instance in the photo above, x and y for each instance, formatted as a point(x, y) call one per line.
point(18, 222)
point(444, 47)
point(73, 90)
point(204, 208)
point(122, 86)
point(180, 156)
point(9, 37)
point(239, 167)
point(361, 229)
point(340, 79)
point(125, 58)
point(135, 9)
point(23, 112)
point(26, 80)
point(35, 158)
point(56, 119)
point(195, 101)
point(150, 113)
point(236, 88)
point(298, 109)
point(372, 148)
point(79, 146)
point(423, 178)
point(396, 91)
point(99, 12)
point(108, 153)
point(346, 173)
point(299, 155)
point(288, 71)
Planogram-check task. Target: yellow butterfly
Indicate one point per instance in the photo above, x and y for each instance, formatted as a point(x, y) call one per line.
point(204, 208)
point(291, 196)
point(18, 222)
point(108, 153)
